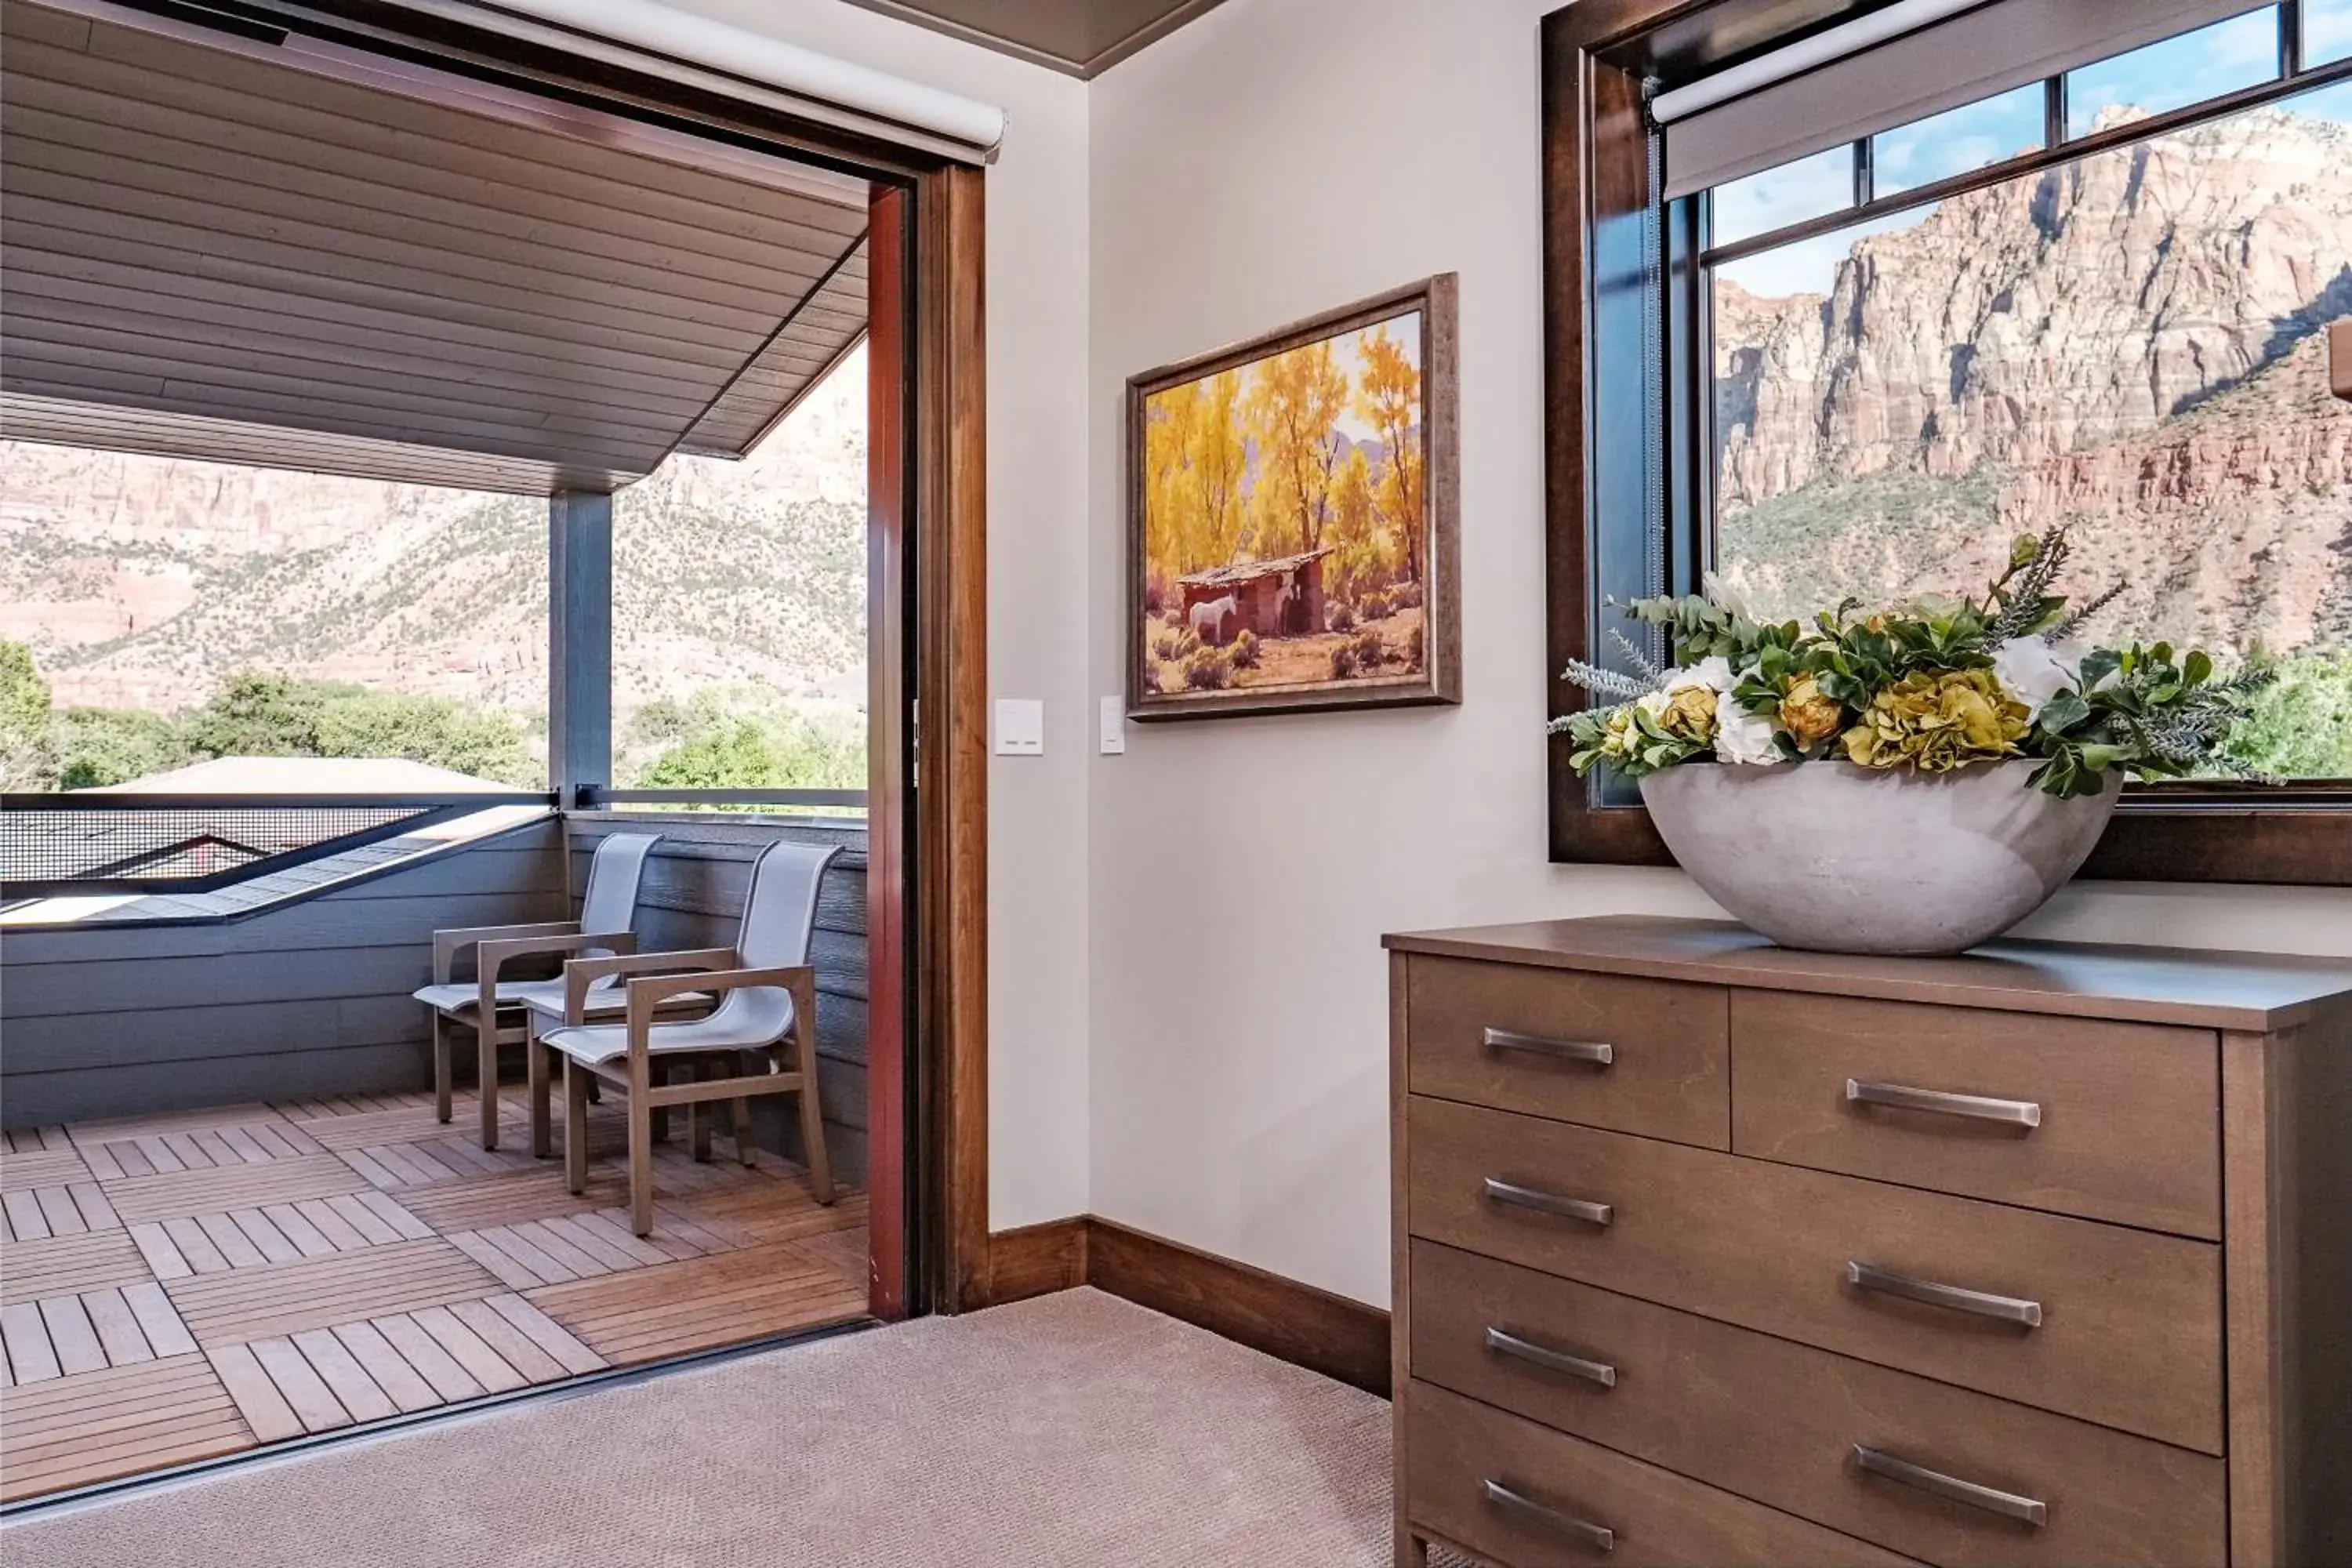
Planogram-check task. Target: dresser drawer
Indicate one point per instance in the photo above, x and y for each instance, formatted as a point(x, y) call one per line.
point(2109, 1120)
point(1638, 1055)
point(2129, 1330)
point(1653, 1518)
point(1779, 1422)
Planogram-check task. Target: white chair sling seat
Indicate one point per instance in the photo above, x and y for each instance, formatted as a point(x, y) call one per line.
point(599, 1043)
point(546, 997)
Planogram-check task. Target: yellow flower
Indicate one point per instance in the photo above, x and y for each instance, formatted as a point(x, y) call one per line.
point(1810, 714)
point(1938, 723)
point(1689, 713)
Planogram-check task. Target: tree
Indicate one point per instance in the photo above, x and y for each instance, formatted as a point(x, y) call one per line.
point(101, 746)
point(1361, 553)
point(256, 714)
point(1195, 454)
point(27, 759)
point(1294, 399)
point(1388, 400)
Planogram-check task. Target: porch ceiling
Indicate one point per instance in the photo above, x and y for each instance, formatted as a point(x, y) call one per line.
point(262, 249)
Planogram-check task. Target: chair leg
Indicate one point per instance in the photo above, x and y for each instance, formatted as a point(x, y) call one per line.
point(576, 1079)
point(485, 1031)
point(699, 1118)
point(820, 1162)
point(441, 1096)
point(747, 1137)
point(536, 1054)
point(661, 1113)
point(640, 1158)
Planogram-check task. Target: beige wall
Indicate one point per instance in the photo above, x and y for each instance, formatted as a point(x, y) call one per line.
point(1274, 159)
point(1039, 537)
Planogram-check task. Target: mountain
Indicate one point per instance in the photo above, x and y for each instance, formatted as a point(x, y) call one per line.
point(2132, 341)
point(140, 581)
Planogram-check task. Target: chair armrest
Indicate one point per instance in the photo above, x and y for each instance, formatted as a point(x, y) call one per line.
point(448, 944)
point(581, 973)
point(653, 988)
point(490, 957)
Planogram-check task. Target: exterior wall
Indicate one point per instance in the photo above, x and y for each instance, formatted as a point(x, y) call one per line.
point(311, 998)
point(692, 896)
point(1268, 161)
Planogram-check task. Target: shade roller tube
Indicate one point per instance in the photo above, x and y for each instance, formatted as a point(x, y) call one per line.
point(661, 35)
point(1975, 54)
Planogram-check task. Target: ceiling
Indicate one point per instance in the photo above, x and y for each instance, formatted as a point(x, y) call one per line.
point(1084, 37)
point(263, 249)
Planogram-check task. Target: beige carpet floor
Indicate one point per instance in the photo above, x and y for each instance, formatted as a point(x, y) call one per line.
point(1075, 1429)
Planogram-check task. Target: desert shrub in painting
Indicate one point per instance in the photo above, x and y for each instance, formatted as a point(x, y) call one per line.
point(1244, 651)
point(1209, 670)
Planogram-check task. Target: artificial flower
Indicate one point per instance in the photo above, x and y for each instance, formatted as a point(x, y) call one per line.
point(2034, 672)
point(1743, 737)
point(1810, 714)
point(1689, 712)
point(1939, 722)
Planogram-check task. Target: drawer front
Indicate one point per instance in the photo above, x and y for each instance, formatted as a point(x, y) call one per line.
point(2129, 1333)
point(2116, 1121)
point(1532, 1040)
point(1453, 1448)
point(1779, 1423)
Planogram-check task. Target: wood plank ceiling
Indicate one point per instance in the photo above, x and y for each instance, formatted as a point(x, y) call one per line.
point(243, 248)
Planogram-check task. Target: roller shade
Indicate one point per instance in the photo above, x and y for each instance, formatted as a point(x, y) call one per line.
point(655, 39)
point(1975, 55)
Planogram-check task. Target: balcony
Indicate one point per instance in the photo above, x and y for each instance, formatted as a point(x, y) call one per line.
point(232, 1218)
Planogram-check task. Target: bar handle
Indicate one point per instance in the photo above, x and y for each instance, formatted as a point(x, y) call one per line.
point(2009, 1505)
point(1599, 1536)
point(2008, 1308)
point(1544, 1356)
point(1511, 1192)
point(1942, 1102)
point(1599, 1053)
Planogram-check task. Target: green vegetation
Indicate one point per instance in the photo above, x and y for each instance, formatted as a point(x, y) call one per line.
point(742, 737)
point(2300, 726)
point(27, 761)
point(103, 746)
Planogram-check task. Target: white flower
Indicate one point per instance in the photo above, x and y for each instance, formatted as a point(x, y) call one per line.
point(2034, 672)
point(1715, 674)
point(1652, 702)
point(1741, 736)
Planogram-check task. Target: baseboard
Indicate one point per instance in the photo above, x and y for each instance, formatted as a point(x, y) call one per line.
point(1281, 1318)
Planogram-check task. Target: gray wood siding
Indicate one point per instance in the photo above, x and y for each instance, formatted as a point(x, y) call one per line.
point(310, 998)
point(693, 896)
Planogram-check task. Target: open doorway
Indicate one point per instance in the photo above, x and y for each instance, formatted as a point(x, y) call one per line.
point(561, 414)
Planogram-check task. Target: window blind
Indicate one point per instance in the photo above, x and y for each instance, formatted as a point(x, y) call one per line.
point(1987, 50)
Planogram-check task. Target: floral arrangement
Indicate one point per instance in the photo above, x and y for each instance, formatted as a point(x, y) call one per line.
point(1934, 685)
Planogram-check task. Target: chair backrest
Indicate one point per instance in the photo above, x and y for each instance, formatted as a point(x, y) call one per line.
point(615, 870)
point(779, 919)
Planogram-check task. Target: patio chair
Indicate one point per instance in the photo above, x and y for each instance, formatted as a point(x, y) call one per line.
point(767, 1007)
point(493, 1008)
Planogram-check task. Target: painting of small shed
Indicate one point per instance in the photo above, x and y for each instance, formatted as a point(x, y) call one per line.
point(1279, 598)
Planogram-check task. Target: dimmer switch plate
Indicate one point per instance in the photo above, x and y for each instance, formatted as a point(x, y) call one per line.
point(1020, 727)
point(1114, 726)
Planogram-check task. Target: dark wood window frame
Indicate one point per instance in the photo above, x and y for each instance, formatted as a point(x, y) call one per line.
point(1612, 455)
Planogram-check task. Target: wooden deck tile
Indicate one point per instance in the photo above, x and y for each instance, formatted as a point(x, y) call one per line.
point(31, 1213)
point(650, 1313)
point(45, 1168)
point(93, 1427)
point(199, 1148)
point(212, 1118)
point(175, 1193)
point(67, 1264)
point(286, 1298)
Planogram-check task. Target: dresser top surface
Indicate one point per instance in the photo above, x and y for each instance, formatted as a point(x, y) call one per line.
point(2206, 989)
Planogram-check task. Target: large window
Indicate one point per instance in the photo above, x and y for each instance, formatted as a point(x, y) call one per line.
point(1849, 333)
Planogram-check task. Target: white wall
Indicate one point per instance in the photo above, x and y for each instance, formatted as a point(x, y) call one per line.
point(1274, 159)
point(1039, 530)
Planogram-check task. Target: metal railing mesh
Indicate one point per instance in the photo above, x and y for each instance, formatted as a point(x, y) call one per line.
point(90, 843)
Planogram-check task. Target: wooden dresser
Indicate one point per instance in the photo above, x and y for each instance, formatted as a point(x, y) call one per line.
point(1712, 1253)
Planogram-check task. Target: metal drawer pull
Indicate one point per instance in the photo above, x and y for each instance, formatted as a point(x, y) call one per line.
point(1510, 1344)
point(2008, 1308)
point(1598, 1052)
point(1504, 1192)
point(1570, 1525)
point(2009, 1505)
point(1976, 1107)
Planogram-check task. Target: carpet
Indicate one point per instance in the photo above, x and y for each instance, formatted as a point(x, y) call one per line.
point(1073, 1429)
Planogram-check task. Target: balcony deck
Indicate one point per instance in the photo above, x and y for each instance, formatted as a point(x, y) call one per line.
point(180, 1287)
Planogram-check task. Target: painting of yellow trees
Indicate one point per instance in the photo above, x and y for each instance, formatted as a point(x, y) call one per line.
point(1293, 517)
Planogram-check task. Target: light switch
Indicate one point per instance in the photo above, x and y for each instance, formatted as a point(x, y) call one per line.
point(1114, 726)
point(1020, 727)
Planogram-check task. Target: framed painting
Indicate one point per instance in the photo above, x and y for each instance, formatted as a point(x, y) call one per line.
point(1293, 518)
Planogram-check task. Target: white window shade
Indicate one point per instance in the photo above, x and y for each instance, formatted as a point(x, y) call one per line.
point(661, 40)
point(1880, 82)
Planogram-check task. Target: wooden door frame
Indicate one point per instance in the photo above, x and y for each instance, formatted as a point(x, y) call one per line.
point(941, 789)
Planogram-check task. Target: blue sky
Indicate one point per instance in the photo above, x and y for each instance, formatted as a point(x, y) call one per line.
point(2211, 60)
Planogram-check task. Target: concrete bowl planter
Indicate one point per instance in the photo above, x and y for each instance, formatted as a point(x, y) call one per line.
point(1838, 858)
